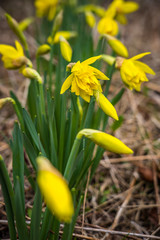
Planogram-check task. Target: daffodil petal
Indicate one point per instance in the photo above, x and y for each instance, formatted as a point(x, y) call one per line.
point(66, 84)
point(144, 67)
point(98, 73)
point(91, 60)
point(141, 55)
point(129, 7)
point(19, 48)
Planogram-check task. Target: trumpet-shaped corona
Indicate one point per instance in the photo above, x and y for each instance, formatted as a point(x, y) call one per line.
point(46, 8)
point(13, 58)
point(105, 140)
point(84, 82)
point(133, 72)
point(108, 26)
point(55, 190)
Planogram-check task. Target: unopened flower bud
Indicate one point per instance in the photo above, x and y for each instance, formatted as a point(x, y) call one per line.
point(3, 101)
point(43, 49)
point(32, 74)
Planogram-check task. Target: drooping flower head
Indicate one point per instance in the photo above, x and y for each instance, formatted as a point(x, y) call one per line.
point(13, 58)
point(46, 8)
point(84, 79)
point(55, 190)
point(133, 72)
point(84, 82)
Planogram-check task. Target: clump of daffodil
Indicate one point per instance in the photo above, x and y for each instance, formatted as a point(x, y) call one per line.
point(46, 8)
point(66, 34)
point(119, 8)
point(3, 101)
point(84, 82)
point(105, 140)
point(14, 58)
point(55, 190)
point(133, 72)
point(108, 26)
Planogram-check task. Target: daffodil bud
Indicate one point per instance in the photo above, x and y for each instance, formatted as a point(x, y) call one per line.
point(90, 19)
point(105, 140)
point(32, 74)
point(57, 23)
point(43, 49)
point(25, 23)
point(116, 45)
point(15, 28)
point(105, 105)
point(55, 190)
point(108, 59)
point(3, 101)
point(66, 49)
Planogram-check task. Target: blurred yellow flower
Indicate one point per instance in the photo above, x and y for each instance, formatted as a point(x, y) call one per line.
point(133, 72)
point(46, 8)
point(43, 49)
point(107, 25)
point(105, 140)
point(119, 8)
point(13, 58)
point(55, 190)
point(84, 82)
point(66, 34)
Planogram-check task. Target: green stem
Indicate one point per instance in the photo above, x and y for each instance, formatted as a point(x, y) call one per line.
point(72, 158)
point(51, 68)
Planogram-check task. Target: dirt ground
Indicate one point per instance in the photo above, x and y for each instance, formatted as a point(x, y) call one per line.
point(124, 194)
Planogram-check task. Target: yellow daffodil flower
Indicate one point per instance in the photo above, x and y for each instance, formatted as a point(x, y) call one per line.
point(66, 49)
point(100, 11)
point(46, 8)
point(84, 82)
point(13, 58)
point(133, 72)
point(66, 34)
point(107, 26)
point(55, 190)
point(119, 8)
point(105, 140)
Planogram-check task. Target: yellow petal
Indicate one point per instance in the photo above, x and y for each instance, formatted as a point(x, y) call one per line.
point(106, 141)
point(90, 19)
point(51, 13)
point(8, 51)
point(129, 7)
point(117, 46)
point(105, 105)
point(19, 49)
point(98, 73)
point(66, 49)
point(144, 67)
point(25, 23)
point(85, 96)
point(121, 18)
point(91, 60)
point(141, 55)
point(66, 84)
point(55, 190)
